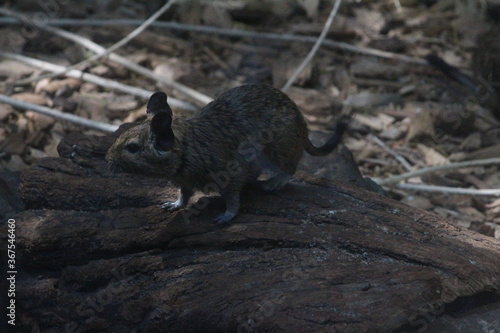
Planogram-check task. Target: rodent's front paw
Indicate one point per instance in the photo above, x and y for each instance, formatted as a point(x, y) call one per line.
point(172, 205)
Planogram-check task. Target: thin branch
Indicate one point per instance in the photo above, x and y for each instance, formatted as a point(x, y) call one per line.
point(451, 166)
point(239, 33)
point(315, 48)
point(448, 190)
point(217, 59)
point(107, 83)
point(398, 157)
point(58, 114)
point(291, 38)
point(99, 50)
point(397, 4)
point(115, 46)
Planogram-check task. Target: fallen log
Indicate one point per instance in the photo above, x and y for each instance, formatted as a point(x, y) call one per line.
point(97, 253)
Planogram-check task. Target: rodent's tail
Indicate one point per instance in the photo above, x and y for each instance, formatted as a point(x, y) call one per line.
point(341, 126)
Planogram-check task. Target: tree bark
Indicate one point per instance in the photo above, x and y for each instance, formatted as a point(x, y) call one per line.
point(97, 253)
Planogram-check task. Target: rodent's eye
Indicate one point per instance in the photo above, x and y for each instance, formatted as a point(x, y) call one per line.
point(132, 147)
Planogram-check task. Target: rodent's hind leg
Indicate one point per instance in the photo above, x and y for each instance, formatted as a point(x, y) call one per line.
point(181, 202)
point(262, 164)
point(232, 199)
point(275, 183)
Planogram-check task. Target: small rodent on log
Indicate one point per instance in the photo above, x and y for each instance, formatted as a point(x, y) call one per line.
point(230, 142)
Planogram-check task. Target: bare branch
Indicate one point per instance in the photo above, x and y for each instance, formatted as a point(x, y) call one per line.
point(397, 156)
point(115, 46)
point(107, 83)
point(451, 166)
point(241, 33)
point(99, 50)
point(315, 48)
point(449, 190)
point(59, 115)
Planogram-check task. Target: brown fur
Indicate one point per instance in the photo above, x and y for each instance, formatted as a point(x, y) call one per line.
point(244, 131)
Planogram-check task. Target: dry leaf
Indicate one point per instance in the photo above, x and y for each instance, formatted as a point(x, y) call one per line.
point(135, 115)
point(51, 86)
point(370, 21)
point(310, 101)
point(217, 16)
point(373, 67)
point(172, 69)
point(431, 156)
point(14, 144)
point(378, 123)
point(38, 122)
point(488, 152)
point(284, 67)
point(421, 125)
point(31, 98)
point(418, 202)
point(101, 70)
point(495, 203)
point(12, 40)
point(14, 69)
point(5, 111)
point(311, 7)
point(472, 213)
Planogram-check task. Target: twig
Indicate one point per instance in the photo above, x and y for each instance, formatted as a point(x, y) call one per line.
point(96, 48)
point(59, 115)
point(397, 4)
point(290, 38)
point(115, 46)
point(361, 81)
point(421, 172)
point(217, 60)
point(241, 33)
point(398, 157)
point(239, 47)
point(107, 83)
point(448, 190)
point(315, 48)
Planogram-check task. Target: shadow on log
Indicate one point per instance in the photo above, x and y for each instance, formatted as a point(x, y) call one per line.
point(98, 254)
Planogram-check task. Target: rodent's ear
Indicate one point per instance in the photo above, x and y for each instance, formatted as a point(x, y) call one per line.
point(158, 103)
point(161, 131)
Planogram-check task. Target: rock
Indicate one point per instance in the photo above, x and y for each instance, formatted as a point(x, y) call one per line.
point(339, 165)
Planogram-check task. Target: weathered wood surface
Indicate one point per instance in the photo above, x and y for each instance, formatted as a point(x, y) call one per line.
point(98, 254)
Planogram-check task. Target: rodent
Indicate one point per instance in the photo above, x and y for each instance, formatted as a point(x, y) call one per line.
point(228, 143)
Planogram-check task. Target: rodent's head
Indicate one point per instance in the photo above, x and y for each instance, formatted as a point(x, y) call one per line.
point(148, 148)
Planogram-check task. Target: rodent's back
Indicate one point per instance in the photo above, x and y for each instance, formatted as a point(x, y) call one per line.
point(239, 123)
